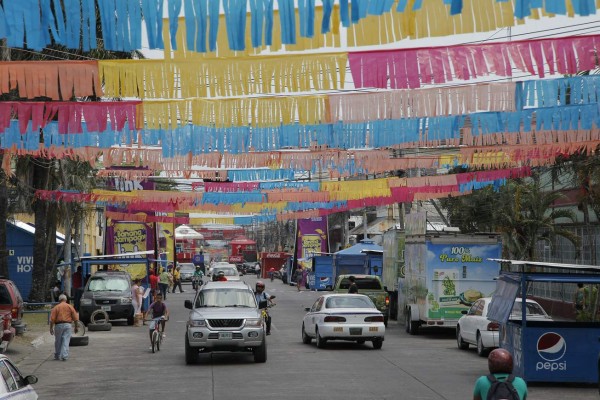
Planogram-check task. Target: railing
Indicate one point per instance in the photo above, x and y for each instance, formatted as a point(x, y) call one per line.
point(39, 308)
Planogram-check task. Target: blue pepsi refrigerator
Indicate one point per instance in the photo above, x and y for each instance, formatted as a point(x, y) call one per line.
point(547, 350)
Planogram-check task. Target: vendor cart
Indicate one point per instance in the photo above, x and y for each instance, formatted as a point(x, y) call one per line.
point(564, 347)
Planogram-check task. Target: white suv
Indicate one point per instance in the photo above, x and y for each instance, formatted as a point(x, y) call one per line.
point(224, 316)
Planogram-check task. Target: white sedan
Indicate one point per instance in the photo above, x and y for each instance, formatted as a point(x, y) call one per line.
point(351, 317)
point(475, 328)
point(13, 385)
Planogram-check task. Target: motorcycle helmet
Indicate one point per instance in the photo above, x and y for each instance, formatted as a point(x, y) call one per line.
point(260, 284)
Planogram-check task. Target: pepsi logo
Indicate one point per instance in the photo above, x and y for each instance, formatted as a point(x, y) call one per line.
point(551, 346)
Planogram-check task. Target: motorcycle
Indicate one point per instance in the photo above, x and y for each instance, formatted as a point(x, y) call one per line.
point(196, 282)
point(264, 310)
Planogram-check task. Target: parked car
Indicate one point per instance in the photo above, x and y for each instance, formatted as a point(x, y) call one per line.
point(8, 330)
point(109, 291)
point(224, 316)
point(13, 385)
point(11, 302)
point(351, 317)
point(474, 328)
point(230, 271)
point(186, 271)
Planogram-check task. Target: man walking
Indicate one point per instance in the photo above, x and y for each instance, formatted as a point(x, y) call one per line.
point(177, 279)
point(61, 317)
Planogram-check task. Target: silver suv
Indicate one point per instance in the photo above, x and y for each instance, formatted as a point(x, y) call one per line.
point(224, 316)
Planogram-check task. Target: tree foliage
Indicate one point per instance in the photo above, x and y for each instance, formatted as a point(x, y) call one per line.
point(522, 211)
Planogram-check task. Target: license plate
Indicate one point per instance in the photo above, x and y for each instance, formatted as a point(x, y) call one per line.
point(338, 329)
point(225, 335)
point(356, 331)
point(105, 308)
point(373, 329)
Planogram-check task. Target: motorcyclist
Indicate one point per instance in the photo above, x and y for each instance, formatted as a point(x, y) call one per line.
point(197, 277)
point(261, 295)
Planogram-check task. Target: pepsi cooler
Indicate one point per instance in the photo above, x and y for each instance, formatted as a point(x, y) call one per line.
point(560, 349)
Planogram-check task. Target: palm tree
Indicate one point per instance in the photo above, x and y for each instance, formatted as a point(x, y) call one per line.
point(523, 212)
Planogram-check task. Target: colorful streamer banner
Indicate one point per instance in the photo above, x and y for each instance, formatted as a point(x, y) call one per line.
point(72, 23)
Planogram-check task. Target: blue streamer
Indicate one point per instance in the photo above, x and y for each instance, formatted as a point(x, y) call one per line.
point(174, 10)
point(153, 12)
point(196, 12)
point(327, 10)
point(213, 15)
point(88, 29)
point(306, 9)
point(556, 6)
point(107, 19)
point(456, 7)
point(235, 19)
point(287, 15)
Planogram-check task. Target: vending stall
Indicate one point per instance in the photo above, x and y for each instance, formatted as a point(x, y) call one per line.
point(272, 260)
point(563, 347)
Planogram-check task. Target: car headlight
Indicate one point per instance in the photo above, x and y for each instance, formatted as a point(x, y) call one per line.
point(197, 322)
point(254, 322)
point(125, 300)
point(86, 302)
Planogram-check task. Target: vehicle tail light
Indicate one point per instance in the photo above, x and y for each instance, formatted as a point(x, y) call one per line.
point(374, 318)
point(493, 326)
point(334, 318)
point(15, 313)
point(6, 321)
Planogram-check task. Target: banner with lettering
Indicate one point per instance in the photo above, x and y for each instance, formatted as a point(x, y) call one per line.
point(124, 237)
point(311, 237)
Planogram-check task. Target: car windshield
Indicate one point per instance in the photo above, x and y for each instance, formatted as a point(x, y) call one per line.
point(533, 309)
point(226, 271)
point(362, 283)
point(112, 284)
point(349, 302)
point(225, 298)
point(186, 268)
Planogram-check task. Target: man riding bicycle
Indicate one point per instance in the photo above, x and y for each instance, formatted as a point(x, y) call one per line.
point(197, 278)
point(158, 312)
point(261, 295)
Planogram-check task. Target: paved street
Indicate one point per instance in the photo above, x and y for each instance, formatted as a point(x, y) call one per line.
point(118, 365)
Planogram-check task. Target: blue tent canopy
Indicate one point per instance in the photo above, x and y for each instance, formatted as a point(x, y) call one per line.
point(357, 249)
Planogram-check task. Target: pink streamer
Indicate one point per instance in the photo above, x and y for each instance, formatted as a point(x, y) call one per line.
point(410, 68)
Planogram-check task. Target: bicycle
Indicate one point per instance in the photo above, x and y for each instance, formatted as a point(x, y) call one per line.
point(157, 334)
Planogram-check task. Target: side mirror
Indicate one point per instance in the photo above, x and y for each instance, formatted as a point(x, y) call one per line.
point(31, 379)
point(263, 304)
point(307, 309)
point(272, 297)
point(187, 304)
point(464, 312)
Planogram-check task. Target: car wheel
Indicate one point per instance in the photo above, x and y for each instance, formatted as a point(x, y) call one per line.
point(99, 327)
point(99, 313)
point(305, 338)
point(260, 352)
point(459, 340)
point(191, 354)
point(482, 351)
point(321, 343)
point(377, 343)
point(79, 341)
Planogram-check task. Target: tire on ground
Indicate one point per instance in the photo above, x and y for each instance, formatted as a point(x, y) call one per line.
point(99, 327)
point(80, 329)
point(94, 317)
point(79, 341)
